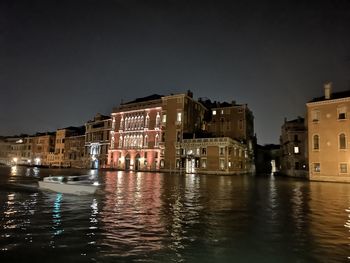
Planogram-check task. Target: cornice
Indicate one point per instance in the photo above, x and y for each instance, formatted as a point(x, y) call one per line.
point(330, 101)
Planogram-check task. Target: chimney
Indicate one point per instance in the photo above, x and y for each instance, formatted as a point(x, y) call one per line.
point(327, 90)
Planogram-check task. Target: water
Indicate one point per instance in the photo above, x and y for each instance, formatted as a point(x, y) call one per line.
point(154, 217)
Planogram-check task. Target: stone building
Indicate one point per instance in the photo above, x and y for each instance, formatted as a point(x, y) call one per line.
point(43, 148)
point(221, 155)
point(235, 121)
point(59, 158)
point(74, 153)
point(167, 133)
point(294, 148)
point(97, 140)
point(328, 136)
point(136, 134)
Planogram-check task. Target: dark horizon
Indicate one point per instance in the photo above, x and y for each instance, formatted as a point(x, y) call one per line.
point(64, 61)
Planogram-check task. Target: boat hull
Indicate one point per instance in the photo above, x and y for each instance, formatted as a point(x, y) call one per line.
point(64, 188)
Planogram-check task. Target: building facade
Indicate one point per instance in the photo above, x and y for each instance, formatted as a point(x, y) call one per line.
point(165, 133)
point(221, 155)
point(43, 148)
point(74, 152)
point(136, 135)
point(294, 148)
point(97, 140)
point(328, 122)
point(59, 157)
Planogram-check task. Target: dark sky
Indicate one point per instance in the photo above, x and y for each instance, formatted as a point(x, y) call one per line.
point(61, 62)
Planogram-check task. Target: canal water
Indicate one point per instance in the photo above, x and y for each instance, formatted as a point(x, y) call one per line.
point(155, 217)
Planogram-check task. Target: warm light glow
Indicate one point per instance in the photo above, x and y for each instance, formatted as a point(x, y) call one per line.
point(15, 159)
point(296, 149)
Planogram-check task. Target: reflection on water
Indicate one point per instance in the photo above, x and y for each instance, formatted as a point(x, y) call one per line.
point(154, 217)
point(56, 216)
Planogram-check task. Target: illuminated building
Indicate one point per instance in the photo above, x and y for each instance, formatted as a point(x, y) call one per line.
point(235, 121)
point(43, 148)
point(59, 158)
point(161, 133)
point(328, 136)
point(293, 148)
point(97, 140)
point(136, 134)
point(221, 155)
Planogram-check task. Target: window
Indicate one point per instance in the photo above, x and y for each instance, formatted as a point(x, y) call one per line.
point(222, 150)
point(341, 113)
point(342, 141)
point(317, 167)
point(295, 137)
point(316, 142)
point(222, 164)
point(147, 121)
point(204, 163)
point(297, 166)
point(296, 149)
point(214, 112)
point(164, 118)
point(222, 112)
point(145, 144)
point(179, 117)
point(157, 120)
point(204, 151)
point(156, 141)
point(315, 115)
point(343, 168)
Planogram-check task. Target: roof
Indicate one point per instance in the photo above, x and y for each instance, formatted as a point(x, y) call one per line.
point(334, 95)
point(148, 98)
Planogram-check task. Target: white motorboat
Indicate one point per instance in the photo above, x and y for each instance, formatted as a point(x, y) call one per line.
point(78, 185)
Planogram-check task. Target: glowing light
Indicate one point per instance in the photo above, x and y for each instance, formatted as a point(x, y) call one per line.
point(15, 159)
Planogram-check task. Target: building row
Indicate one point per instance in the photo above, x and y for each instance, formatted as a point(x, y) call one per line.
point(154, 133)
point(317, 146)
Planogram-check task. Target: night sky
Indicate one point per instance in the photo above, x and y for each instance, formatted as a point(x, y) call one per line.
point(61, 62)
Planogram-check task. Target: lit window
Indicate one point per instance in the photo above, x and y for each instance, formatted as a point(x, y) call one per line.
point(157, 119)
point(179, 117)
point(222, 164)
point(222, 112)
point(214, 112)
point(296, 149)
point(343, 168)
point(342, 141)
point(204, 163)
point(317, 167)
point(164, 118)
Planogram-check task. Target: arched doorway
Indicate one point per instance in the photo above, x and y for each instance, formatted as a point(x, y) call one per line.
point(137, 162)
point(127, 162)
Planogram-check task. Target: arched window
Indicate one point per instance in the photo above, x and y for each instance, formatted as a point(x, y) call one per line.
point(316, 142)
point(342, 141)
point(146, 141)
point(120, 141)
point(121, 123)
point(147, 121)
point(156, 141)
point(157, 120)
